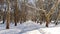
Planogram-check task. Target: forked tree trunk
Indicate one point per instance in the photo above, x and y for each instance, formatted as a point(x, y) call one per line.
point(51, 12)
point(47, 21)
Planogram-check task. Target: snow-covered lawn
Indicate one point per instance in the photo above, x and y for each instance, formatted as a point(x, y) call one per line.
point(30, 27)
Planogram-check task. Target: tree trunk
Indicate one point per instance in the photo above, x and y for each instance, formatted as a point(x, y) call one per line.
point(58, 16)
point(15, 19)
point(8, 20)
point(51, 12)
point(4, 17)
point(16, 13)
point(47, 22)
point(8, 15)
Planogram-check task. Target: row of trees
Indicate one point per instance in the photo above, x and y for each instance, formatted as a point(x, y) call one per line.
point(35, 10)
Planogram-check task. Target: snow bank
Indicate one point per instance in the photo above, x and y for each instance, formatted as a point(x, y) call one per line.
point(32, 32)
point(10, 31)
point(54, 30)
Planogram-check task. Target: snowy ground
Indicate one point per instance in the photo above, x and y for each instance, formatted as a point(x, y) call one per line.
point(30, 27)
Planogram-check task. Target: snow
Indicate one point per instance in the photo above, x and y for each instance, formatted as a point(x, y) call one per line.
point(10, 31)
point(55, 30)
point(1, 21)
point(30, 27)
point(32, 32)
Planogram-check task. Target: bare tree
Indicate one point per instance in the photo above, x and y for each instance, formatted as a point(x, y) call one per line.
point(23, 12)
point(51, 12)
point(56, 21)
point(8, 15)
point(48, 15)
point(16, 13)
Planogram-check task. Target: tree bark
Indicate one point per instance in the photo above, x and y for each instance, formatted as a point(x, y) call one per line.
point(16, 13)
point(8, 15)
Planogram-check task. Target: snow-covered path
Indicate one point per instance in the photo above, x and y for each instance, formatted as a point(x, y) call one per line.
point(29, 27)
